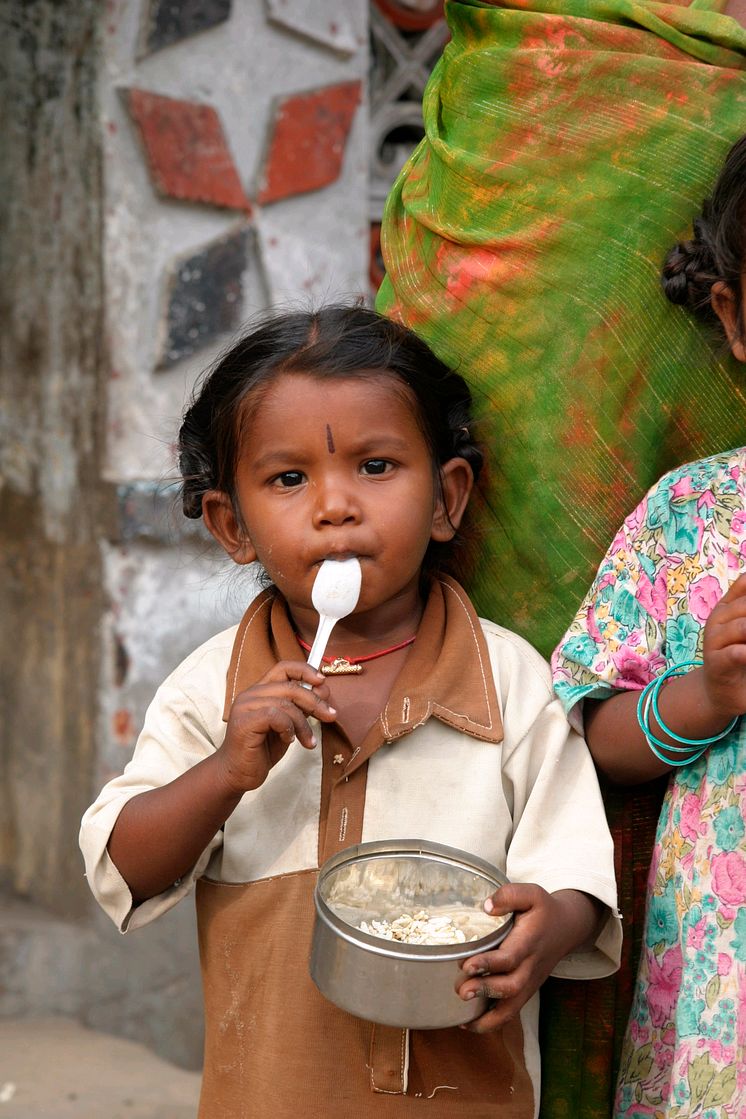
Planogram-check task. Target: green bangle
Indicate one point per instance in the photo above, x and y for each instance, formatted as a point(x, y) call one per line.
point(655, 745)
point(692, 748)
point(680, 670)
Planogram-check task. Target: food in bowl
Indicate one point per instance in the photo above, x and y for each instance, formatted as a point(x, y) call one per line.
point(361, 965)
point(451, 927)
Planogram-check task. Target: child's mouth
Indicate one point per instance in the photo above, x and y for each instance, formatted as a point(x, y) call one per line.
point(338, 557)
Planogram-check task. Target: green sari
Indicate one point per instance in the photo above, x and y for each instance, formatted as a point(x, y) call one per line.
point(569, 143)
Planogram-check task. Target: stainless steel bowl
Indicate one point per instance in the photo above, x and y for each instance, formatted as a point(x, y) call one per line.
point(388, 981)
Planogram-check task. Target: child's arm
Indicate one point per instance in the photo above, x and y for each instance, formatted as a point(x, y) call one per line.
point(160, 834)
point(697, 705)
point(547, 927)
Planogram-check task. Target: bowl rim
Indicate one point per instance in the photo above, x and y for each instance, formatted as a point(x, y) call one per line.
point(396, 949)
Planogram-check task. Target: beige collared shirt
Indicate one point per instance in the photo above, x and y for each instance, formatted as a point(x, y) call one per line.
point(472, 750)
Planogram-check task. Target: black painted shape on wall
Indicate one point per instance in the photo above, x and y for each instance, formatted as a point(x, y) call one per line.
point(204, 297)
point(170, 21)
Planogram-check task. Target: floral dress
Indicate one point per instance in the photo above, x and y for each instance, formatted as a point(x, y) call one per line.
point(669, 564)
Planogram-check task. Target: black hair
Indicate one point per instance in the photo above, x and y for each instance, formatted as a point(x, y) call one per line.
point(717, 251)
point(339, 341)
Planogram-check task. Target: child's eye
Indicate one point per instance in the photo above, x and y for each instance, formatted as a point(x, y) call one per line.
point(289, 479)
point(375, 466)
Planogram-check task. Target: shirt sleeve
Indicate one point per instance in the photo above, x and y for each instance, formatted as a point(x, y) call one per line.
point(180, 729)
point(617, 638)
point(561, 838)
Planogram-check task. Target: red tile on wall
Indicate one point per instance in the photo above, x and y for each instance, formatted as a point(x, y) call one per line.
point(307, 140)
point(186, 150)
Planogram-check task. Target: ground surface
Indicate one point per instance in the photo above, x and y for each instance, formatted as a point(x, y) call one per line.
point(53, 1068)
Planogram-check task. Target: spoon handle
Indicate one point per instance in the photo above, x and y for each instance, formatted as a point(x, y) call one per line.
point(326, 625)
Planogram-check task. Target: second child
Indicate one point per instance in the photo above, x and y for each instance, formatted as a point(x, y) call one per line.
point(657, 655)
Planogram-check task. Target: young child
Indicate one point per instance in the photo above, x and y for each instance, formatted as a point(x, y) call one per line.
point(661, 638)
point(331, 435)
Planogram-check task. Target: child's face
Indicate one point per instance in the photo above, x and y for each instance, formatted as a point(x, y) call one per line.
point(332, 469)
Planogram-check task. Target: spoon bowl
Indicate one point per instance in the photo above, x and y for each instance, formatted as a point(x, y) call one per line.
point(336, 590)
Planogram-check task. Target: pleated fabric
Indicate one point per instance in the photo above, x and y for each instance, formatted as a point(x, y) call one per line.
point(569, 143)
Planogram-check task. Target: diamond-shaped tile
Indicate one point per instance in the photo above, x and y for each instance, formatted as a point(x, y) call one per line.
point(307, 142)
point(186, 150)
point(204, 296)
point(170, 21)
point(323, 21)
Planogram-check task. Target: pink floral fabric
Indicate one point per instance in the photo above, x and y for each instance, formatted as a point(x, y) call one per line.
point(671, 561)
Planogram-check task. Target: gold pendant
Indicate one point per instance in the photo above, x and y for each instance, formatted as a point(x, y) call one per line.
point(340, 666)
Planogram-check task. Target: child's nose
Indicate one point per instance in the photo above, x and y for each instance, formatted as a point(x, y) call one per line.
point(335, 505)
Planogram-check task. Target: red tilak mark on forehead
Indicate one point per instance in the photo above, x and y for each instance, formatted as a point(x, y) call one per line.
point(329, 440)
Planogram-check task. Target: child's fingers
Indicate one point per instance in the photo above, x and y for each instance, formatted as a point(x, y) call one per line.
point(736, 590)
point(287, 687)
point(729, 647)
point(728, 628)
point(728, 609)
point(253, 716)
point(513, 897)
point(265, 718)
point(311, 701)
point(506, 992)
point(282, 708)
point(252, 724)
point(288, 723)
point(493, 986)
point(295, 670)
point(516, 946)
point(500, 961)
point(498, 1014)
point(510, 955)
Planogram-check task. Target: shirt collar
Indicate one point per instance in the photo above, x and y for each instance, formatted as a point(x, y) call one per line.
point(447, 674)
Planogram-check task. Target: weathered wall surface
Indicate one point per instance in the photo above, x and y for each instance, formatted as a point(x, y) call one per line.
point(52, 500)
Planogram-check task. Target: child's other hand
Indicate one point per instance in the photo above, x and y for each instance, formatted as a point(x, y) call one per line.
point(724, 652)
point(266, 718)
point(546, 927)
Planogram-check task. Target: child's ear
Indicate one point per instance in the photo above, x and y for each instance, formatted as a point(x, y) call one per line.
point(724, 305)
point(220, 519)
point(456, 484)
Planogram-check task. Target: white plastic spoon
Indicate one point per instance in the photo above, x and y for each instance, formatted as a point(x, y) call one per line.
point(336, 590)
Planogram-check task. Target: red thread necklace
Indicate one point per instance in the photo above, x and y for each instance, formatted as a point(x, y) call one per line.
point(351, 666)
